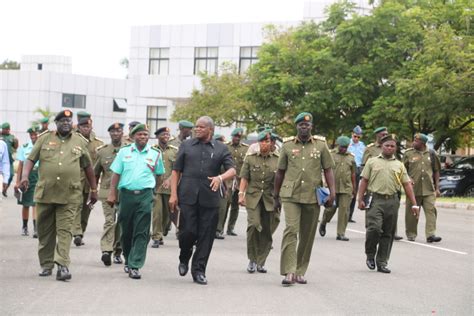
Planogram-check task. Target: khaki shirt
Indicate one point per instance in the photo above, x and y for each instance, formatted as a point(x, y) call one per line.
point(372, 150)
point(420, 170)
point(303, 164)
point(385, 176)
point(169, 157)
point(345, 166)
point(238, 154)
point(126, 140)
point(92, 144)
point(105, 156)
point(175, 141)
point(260, 173)
point(61, 162)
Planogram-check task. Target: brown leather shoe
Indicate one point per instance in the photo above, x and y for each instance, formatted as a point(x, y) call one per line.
point(300, 279)
point(288, 280)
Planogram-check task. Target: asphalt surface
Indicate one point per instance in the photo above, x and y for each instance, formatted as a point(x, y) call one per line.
point(426, 279)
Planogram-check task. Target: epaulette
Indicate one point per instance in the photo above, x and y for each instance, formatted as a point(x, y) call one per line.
point(156, 149)
point(227, 143)
point(171, 138)
point(25, 145)
point(251, 154)
point(44, 133)
point(288, 139)
point(100, 140)
point(276, 153)
point(82, 136)
point(174, 147)
point(318, 137)
point(244, 144)
point(126, 145)
point(371, 145)
point(409, 149)
point(100, 147)
point(350, 154)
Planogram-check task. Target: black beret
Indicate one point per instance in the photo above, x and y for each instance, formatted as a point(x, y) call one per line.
point(115, 126)
point(84, 121)
point(162, 130)
point(63, 113)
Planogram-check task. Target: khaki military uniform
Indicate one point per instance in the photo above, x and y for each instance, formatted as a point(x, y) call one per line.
point(83, 211)
point(385, 177)
point(238, 154)
point(303, 164)
point(372, 150)
point(345, 167)
point(175, 141)
point(260, 173)
point(161, 222)
point(126, 140)
point(421, 168)
point(58, 193)
point(110, 239)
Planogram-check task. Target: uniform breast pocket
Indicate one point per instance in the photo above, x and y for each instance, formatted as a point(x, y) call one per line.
point(128, 164)
point(76, 153)
point(48, 152)
point(256, 168)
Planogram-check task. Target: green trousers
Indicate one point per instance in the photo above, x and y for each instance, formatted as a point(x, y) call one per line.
point(343, 201)
point(381, 224)
point(259, 233)
point(411, 222)
point(134, 219)
point(161, 222)
point(298, 237)
point(110, 239)
point(223, 204)
point(233, 202)
point(54, 222)
point(81, 217)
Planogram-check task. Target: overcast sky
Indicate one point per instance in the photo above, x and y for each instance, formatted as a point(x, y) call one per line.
point(96, 33)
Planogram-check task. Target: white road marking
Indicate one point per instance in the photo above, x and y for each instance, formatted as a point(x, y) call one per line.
point(418, 244)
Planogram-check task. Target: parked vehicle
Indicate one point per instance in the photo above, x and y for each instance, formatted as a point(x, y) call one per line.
point(447, 161)
point(459, 179)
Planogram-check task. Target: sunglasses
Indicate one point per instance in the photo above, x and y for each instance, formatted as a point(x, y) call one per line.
point(356, 136)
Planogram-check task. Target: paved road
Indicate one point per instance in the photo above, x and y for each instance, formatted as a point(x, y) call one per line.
point(425, 279)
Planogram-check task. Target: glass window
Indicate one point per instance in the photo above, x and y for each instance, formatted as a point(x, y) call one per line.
point(159, 61)
point(206, 59)
point(156, 117)
point(248, 57)
point(74, 101)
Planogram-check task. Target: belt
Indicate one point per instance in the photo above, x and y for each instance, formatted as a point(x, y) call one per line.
point(135, 192)
point(385, 196)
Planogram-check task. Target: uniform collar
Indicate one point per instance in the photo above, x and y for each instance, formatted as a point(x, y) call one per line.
point(134, 148)
point(392, 158)
point(297, 139)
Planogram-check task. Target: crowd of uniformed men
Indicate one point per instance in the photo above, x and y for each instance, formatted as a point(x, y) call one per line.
point(196, 182)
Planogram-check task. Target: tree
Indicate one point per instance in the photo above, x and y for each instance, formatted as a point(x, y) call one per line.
point(44, 112)
point(9, 65)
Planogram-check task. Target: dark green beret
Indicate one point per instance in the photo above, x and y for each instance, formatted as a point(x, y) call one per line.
point(63, 113)
point(33, 129)
point(276, 137)
point(304, 117)
point(139, 128)
point(388, 137)
point(162, 130)
point(218, 137)
point(264, 135)
point(115, 126)
point(237, 132)
point(6, 125)
point(44, 120)
point(84, 121)
point(185, 124)
point(380, 129)
point(422, 137)
point(83, 114)
point(343, 141)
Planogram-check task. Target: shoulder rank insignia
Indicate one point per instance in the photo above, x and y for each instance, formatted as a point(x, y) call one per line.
point(370, 145)
point(173, 146)
point(244, 144)
point(82, 136)
point(44, 133)
point(288, 139)
point(319, 137)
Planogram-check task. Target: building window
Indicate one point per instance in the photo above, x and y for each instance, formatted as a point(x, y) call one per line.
point(248, 57)
point(159, 61)
point(120, 105)
point(205, 59)
point(40, 66)
point(74, 101)
point(155, 117)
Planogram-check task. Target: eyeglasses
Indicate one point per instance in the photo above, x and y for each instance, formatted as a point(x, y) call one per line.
point(356, 136)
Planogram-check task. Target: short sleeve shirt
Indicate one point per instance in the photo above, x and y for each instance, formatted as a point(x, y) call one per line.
point(420, 169)
point(24, 151)
point(385, 176)
point(344, 168)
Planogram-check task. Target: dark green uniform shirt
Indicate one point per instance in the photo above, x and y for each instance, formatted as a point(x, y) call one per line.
point(303, 163)
point(420, 169)
point(169, 157)
point(61, 162)
point(260, 173)
point(385, 176)
point(105, 156)
point(372, 150)
point(344, 167)
point(92, 144)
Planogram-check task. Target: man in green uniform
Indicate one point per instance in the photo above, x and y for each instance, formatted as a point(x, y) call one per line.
point(255, 192)
point(134, 173)
point(82, 215)
point(383, 176)
point(185, 131)
point(237, 150)
point(110, 240)
point(344, 174)
point(44, 124)
point(302, 159)
point(161, 222)
point(374, 149)
point(128, 139)
point(423, 167)
point(12, 144)
point(61, 155)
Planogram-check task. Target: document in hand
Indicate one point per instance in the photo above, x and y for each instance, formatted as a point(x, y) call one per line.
point(174, 216)
point(322, 195)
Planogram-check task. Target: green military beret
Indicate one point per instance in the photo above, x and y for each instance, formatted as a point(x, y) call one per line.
point(388, 137)
point(264, 135)
point(162, 130)
point(44, 120)
point(421, 137)
point(83, 114)
point(139, 128)
point(304, 116)
point(84, 121)
point(380, 129)
point(276, 137)
point(218, 137)
point(63, 113)
point(33, 129)
point(262, 128)
point(6, 125)
point(237, 132)
point(343, 141)
point(115, 126)
point(185, 124)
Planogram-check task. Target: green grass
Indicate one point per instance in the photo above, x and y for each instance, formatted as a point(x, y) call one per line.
point(456, 200)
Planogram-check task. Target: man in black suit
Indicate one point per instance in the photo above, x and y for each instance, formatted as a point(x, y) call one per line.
point(197, 170)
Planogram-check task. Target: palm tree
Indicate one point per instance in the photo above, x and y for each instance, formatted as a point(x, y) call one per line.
point(46, 112)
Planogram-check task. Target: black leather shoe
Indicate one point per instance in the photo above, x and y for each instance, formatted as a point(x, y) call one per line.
point(396, 237)
point(45, 272)
point(126, 269)
point(106, 258)
point(411, 238)
point(183, 268)
point(370, 264)
point(433, 239)
point(155, 243)
point(261, 269)
point(63, 273)
point(161, 242)
point(78, 241)
point(35, 234)
point(24, 231)
point(134, 274)
point(383, 269)
point(231, 233)
point(219, 235)
point(288, 280)
point(342, 237)
point(300, 279)
point(352, 221)
point(200, 279)
point(118, 260)
point(322, 229)
point(251, 267)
